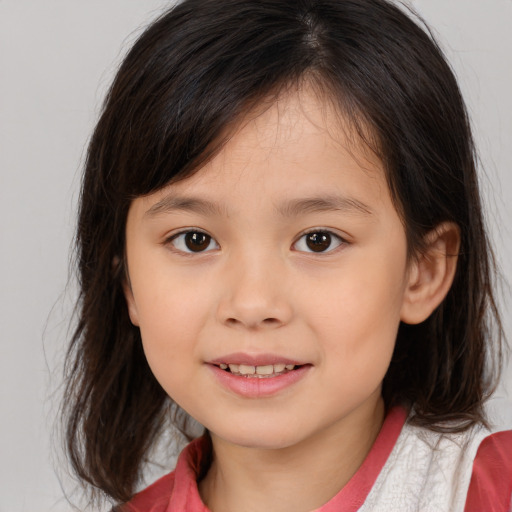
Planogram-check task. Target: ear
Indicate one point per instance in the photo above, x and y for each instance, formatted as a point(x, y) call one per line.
point(130, 302)
point(431, 273)
point(128, 293)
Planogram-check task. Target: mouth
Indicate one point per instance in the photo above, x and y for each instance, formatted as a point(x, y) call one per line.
point(258, 376)
point(258, 371)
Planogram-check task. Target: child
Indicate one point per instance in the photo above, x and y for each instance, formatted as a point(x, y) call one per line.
point(280, 235)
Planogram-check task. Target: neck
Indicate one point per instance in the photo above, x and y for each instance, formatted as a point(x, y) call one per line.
point(301, 477)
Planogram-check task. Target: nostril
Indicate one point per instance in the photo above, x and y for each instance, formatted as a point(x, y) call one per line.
point(266, 322)
point(232, 321)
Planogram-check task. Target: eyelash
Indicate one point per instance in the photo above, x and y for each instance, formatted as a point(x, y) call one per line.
point(174, 237)
point(317, 231)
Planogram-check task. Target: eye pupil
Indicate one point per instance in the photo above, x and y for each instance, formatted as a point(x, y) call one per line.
point(197, 241)
point(318, 242)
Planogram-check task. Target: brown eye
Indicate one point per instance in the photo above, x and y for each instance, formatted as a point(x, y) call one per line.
point(193, 241)
point(318, 241)
point(197, 241)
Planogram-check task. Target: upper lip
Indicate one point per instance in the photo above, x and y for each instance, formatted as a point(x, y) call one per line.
point(254, 359)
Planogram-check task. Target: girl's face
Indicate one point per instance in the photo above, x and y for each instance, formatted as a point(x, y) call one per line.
point(284, 250)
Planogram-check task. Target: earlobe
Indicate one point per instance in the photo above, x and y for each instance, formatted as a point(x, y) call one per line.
point(431, 273)
point(130, 302)
point(128, 294)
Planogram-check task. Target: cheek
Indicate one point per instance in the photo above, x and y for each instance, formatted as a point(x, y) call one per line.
point(358, 318)
point(365, 293)
point(165, 298)
point(170, 315)
point(167, 318)
point(168, 326)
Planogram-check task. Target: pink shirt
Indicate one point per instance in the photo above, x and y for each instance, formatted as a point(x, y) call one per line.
point(398, 455)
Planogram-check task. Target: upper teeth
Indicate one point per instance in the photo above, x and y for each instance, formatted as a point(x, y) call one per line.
point(268, 369)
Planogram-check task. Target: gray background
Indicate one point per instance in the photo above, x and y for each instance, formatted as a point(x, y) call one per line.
point(56, 60)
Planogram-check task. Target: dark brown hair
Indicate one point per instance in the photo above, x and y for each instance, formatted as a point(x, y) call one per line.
point(190, 76)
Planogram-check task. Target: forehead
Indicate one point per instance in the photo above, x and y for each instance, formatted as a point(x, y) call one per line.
point(295, 145)
point(303, 119)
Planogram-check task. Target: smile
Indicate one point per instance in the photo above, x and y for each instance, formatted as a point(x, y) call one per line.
point(258, 376)
point(260, 372)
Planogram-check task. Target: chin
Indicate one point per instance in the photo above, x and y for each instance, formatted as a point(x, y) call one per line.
point(263, 437)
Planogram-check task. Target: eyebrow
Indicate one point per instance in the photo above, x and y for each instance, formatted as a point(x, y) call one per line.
point(291, 208)
point(171, 203)
point(325, 203)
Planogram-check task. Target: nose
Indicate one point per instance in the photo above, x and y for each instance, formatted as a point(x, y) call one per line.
point(255, 294)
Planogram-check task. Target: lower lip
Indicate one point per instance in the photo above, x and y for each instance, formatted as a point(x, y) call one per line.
point(254, 387)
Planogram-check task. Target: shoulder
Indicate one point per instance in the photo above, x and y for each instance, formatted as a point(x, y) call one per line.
point(490, 487)
point(177, 490)
point(154, 498)
point(433, 471)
